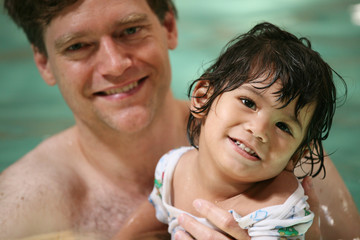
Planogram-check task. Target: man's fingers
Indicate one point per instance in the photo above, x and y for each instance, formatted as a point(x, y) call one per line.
point(314, 232)
point(180, 235)
point(197, 230)
point(220, 218)
point(310, 192)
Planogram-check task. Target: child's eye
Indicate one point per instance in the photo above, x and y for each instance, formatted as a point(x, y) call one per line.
point(248, 103)
point(284, 127)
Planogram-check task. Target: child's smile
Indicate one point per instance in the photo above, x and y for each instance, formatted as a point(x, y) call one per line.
point(245, 148)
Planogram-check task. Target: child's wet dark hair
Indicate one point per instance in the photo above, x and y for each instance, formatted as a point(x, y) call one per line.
point(267, 50)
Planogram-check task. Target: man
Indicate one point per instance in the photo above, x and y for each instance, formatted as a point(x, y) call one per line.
point(110, 61)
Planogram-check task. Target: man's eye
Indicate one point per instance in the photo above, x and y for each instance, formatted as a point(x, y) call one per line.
point(248, 103)
point(283, 127)
point(131, 31)
point(75, 47)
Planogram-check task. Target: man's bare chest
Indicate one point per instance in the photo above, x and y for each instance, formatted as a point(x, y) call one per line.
point(104, 212)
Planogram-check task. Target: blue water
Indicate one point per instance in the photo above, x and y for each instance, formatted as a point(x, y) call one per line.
point(31, 111)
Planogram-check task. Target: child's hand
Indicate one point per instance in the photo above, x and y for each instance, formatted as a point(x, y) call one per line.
point(217, 216)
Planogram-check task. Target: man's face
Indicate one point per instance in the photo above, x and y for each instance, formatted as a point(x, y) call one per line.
point(110, 61)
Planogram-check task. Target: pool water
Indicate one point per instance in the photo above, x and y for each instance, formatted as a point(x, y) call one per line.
point(31, 111)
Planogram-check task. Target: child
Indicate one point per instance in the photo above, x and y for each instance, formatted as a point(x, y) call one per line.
point(259, 111)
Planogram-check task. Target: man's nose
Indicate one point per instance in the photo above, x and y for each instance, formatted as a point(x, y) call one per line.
point(112, 59)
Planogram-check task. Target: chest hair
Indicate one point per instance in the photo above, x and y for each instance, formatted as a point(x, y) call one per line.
point(104, 211)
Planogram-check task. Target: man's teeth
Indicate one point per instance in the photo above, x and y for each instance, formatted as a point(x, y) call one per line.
point(243, 147)
point(121, 90)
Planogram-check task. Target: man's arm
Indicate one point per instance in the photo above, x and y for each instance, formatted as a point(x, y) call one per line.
point(29, 201)
point(339, 216)
point(143, 225)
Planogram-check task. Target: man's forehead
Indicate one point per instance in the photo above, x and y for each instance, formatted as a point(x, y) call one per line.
point(85, 15)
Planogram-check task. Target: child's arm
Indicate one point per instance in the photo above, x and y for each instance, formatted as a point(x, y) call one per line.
point(143, 224)
point(284, 212)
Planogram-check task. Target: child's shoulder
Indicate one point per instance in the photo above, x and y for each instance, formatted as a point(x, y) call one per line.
point(268, 193)
point(173, 155)
point(285, 180)
point(277, 190)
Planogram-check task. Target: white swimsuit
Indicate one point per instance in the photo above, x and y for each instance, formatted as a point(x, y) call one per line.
point(286, 221)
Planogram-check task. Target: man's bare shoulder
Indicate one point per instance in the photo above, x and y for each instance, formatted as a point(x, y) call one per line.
point(39, 188)
point(44, 162)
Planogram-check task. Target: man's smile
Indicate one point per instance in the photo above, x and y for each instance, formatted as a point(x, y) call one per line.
point(123, 89)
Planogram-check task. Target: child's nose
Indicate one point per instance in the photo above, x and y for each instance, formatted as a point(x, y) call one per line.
point(259, 128)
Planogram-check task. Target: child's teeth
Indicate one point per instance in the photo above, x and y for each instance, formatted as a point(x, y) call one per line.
point(242, 146)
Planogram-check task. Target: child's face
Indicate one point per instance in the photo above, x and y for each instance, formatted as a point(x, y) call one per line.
point(248, 136)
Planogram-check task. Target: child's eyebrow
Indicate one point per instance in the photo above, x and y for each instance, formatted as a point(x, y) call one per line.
point(253, 89)
point(296, 121)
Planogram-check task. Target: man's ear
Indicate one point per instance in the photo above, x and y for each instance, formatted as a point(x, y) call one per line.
point(201, 94)
point(42, 63)
point(171, 29)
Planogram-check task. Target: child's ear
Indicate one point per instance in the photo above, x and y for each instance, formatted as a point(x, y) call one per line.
point(200, 96)
point(298, 155)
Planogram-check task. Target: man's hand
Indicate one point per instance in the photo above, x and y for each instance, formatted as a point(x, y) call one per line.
point(217, 216)
point(314, 232)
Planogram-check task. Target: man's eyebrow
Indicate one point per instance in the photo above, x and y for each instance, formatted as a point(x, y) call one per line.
point(129, 19)
point(132, 18)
